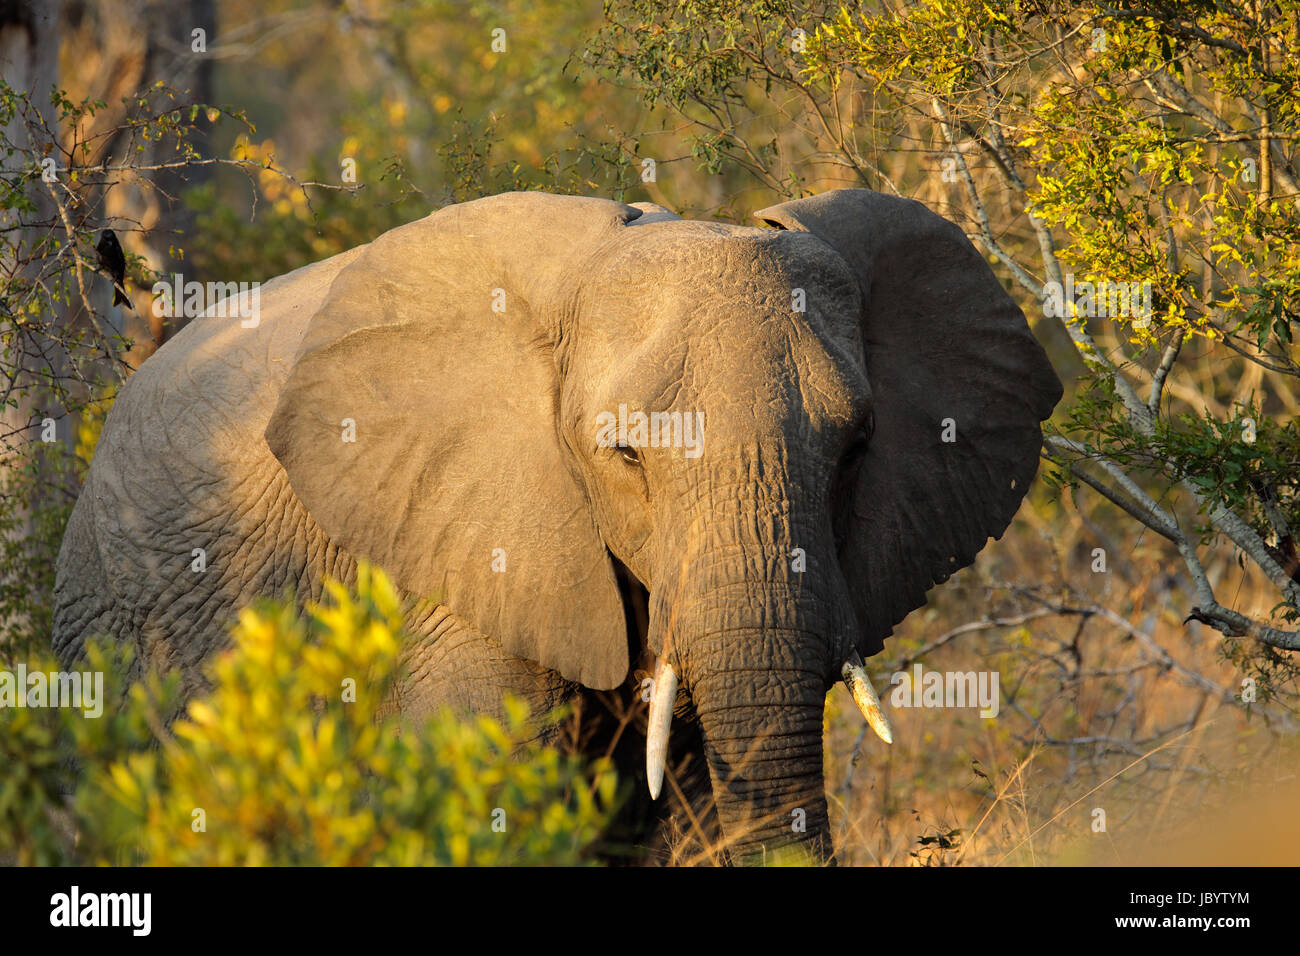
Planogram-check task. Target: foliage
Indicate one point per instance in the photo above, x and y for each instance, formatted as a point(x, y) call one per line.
point(290, 763)
point(1080, 145)
point(46, 480)
point(55, 340)
point(435, 116)
point(58, 338)
point(53, 811)
point(731, 71)
point(31, 529)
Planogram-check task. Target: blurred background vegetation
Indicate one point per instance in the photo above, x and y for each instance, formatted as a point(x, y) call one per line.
point(1142, 608)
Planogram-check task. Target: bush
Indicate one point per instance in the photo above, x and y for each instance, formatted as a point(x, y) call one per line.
point(286, 762)
point(38, 489)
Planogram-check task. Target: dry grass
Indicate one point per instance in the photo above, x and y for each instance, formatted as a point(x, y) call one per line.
point(1109, 703)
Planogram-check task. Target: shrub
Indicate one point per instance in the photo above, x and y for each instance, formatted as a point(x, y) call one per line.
point(38, 489)
point(286, 762)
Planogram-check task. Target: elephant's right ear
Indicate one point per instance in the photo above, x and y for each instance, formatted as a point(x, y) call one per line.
point(418, 425)
point(959, 386)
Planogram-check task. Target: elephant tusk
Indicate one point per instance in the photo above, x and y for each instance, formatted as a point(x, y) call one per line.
point(864, 695)
point(661, 718)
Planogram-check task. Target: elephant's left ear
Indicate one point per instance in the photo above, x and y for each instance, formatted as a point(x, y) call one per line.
point(959, 384)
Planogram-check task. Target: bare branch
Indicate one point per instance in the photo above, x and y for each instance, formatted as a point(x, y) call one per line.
point(1138, 504)
point(1161, 373)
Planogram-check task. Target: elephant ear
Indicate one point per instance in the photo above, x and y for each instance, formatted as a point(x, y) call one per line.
point(959, 385)
point(418, 425)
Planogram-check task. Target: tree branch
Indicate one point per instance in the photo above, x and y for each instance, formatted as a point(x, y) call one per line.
point(1138, 504)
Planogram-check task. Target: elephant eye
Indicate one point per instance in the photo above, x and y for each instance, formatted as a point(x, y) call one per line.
point(857, 447)
point(630, 455)
point(858, 442)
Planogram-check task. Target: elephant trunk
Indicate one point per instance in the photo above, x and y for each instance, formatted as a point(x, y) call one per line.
point(757, 655)
point(763, 742)
point(755, 621)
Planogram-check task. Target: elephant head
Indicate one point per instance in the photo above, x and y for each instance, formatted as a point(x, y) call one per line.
point(842, 411)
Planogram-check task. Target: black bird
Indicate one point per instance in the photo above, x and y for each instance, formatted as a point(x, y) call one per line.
point(113, 261)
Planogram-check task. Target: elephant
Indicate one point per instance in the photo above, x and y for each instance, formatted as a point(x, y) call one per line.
point(847, 407)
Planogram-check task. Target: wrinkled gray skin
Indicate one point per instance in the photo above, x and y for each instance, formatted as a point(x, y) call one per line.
point(476, 431)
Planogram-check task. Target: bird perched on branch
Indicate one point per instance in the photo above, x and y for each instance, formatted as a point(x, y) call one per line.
point(113, 261)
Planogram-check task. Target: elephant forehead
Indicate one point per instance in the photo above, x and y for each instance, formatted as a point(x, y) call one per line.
point(698, 294)
point(711, 247)
point(684, 270)
point(744, 372)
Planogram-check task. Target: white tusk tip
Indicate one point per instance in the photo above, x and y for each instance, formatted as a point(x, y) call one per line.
point(864, 695)
point(659, 723)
